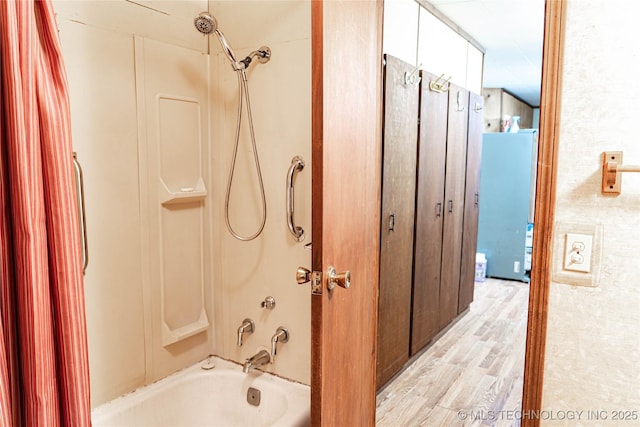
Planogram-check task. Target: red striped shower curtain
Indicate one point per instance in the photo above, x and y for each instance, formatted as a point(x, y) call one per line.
point(44, 376)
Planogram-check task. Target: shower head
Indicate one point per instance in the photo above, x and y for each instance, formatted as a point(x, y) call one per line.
point(207, 24)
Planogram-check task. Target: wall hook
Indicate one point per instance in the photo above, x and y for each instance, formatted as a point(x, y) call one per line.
point(412, 78)
point(438, 86)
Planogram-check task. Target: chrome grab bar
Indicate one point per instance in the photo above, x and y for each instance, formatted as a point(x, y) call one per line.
point(297, 164)
point(81, 211)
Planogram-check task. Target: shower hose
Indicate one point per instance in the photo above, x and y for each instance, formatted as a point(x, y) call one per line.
point(243, 89)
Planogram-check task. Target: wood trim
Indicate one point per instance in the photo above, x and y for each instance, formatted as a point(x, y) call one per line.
point(545, 209)
point(317, 127)
point(317, 124)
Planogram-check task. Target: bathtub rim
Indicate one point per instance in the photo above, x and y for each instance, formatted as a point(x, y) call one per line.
point(295, 392)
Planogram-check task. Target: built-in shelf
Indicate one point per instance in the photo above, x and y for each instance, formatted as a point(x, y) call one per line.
point(184, 195)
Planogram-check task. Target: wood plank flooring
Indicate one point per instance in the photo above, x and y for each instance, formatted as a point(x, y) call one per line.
point(472, 375)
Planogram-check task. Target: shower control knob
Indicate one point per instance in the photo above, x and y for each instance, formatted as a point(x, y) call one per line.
point(269, 303)
point(341, 279)
point(303, 275)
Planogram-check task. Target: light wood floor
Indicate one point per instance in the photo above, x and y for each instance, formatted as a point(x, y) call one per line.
point(472, 375)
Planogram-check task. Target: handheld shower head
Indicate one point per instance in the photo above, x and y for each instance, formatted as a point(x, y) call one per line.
point(226, 47)
point(207, 24)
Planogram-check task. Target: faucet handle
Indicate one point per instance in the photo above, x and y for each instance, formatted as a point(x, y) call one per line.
point(247, 327)
point(281, 336)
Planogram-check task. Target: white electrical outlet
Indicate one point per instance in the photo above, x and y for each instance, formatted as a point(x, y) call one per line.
point(577, 252)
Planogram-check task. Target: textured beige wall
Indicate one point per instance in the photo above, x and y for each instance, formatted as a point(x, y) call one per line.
point(593, 339)
point(247, 272)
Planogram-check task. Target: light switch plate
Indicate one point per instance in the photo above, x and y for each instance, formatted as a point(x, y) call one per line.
point(577, 253)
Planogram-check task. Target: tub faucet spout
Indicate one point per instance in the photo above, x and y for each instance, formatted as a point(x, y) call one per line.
point(259, 359)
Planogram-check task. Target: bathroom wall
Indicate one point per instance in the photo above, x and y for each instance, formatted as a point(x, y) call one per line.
point(593, 345)
point(138, 81)
point(158, 267)
point(247, 272)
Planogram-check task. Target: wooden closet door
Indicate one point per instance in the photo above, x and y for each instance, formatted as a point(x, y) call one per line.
point(453, 202)
point(398, 206)
point(432, 155)
point(471, 202)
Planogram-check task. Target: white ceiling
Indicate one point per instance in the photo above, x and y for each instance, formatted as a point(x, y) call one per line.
point(511, 32)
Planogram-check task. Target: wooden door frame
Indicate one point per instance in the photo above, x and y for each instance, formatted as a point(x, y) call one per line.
point(552, 57)
point(545, 195)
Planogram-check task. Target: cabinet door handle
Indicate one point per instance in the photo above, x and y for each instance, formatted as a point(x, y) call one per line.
point(392, 222)
point(438, 209)
point(460, 105)
point(450, 206)
point(476, 199)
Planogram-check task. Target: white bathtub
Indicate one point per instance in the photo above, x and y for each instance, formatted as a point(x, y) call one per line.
point(216, 397)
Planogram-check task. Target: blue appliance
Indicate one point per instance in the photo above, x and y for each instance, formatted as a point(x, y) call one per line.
point(507, 196)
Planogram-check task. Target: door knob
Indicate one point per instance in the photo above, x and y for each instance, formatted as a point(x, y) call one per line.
point(341, 279)
point(303, 275)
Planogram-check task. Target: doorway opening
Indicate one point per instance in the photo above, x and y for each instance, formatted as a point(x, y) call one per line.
point(538, 285)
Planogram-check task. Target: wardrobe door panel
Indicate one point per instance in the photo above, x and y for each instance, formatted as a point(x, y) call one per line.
point(453, 202)
point(471, 202)
point(397, 219)
point(432, 153)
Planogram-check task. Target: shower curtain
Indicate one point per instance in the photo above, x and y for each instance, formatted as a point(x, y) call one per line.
point(44, 376)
